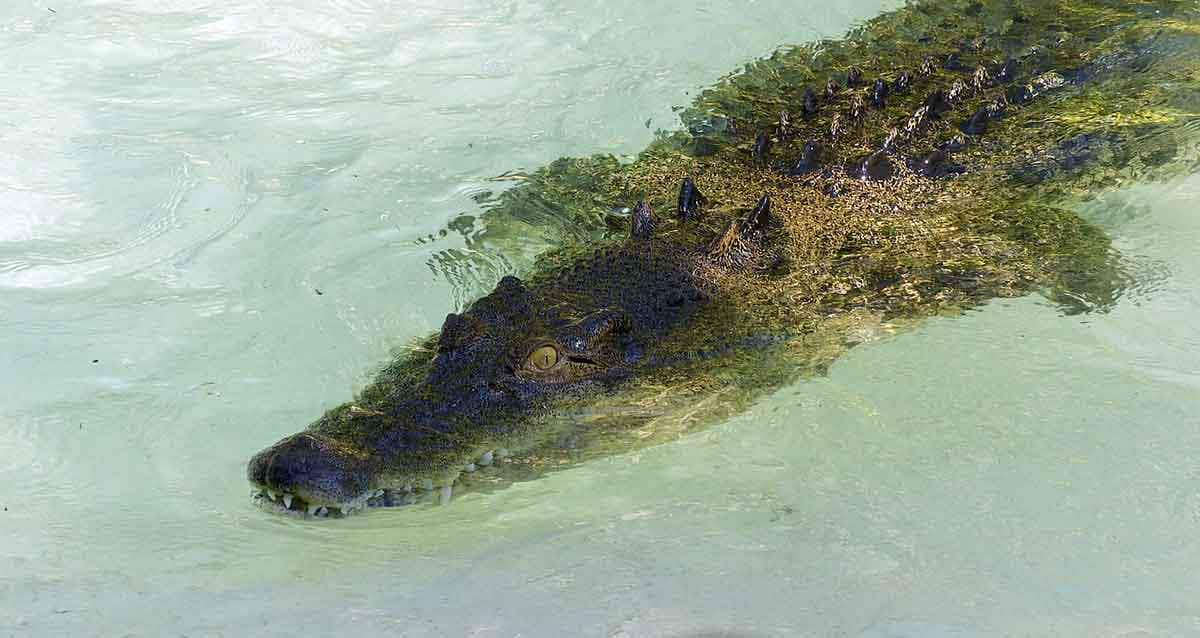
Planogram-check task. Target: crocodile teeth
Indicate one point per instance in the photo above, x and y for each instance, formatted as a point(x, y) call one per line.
point(446, 493)
point(427, 485)
point(486, 459)
point(272, 495)
point(287, 501)
point(469, 467)
point(322, 511)
point(312, 509)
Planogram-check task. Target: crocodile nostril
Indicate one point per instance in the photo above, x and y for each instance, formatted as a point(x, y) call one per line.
point(293, 462)
point(257, 469)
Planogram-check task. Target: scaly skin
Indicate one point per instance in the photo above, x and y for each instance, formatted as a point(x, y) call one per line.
point(831, 193)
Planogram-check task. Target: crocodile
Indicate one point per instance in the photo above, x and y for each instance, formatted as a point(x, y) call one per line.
point(826, 195)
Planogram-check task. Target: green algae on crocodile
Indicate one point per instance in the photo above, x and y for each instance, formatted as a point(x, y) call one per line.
point(938, 184)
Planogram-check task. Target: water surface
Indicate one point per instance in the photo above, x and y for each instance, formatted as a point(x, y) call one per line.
point(217, 219)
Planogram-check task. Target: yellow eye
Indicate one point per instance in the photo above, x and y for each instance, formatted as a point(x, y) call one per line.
point(544, 358)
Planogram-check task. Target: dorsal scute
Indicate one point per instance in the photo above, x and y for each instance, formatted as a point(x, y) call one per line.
point(642, 221)
point(690, 200)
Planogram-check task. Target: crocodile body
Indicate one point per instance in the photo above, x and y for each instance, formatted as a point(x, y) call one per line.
point(823, 196)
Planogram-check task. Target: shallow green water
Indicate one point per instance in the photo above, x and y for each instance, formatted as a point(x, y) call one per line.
point(179, 179)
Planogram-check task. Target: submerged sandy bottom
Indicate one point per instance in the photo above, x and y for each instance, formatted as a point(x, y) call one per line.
point(179, 185)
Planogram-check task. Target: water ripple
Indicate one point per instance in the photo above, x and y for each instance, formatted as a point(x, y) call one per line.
point(220, 215)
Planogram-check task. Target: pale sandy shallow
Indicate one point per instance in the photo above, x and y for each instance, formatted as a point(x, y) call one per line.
point(177, 184)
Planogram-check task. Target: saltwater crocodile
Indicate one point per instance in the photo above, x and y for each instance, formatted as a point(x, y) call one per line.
point(823, 195)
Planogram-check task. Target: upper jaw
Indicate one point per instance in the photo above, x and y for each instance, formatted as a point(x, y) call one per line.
point(397, 492)
point(307, 474)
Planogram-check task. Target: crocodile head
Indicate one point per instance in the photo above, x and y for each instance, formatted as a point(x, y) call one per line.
point(488, 385)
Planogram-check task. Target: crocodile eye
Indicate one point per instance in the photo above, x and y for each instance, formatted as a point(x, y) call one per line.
point(543, 358)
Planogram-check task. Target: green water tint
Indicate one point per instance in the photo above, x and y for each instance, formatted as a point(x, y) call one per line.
point(879, 256)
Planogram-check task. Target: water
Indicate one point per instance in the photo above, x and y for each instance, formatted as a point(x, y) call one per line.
point(217, 220)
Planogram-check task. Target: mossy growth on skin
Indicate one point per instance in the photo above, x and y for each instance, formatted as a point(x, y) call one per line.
point(925, 164)
point(1120, 73)
point(844, 256)
point(1130, 114)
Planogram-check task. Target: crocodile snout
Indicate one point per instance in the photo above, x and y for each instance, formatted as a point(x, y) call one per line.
point(313, 469)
